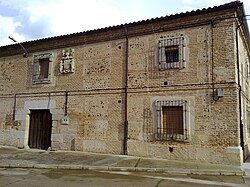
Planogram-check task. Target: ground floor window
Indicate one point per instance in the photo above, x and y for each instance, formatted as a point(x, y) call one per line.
point(171, 120)
point(248, 120)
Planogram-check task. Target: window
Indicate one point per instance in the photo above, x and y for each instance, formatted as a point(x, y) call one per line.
point(43, 72)
point(248, 69)
point(171, 120)
point(171, 53)
point(42, 68)
point(248, 119)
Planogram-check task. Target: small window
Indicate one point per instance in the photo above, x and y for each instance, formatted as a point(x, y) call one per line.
point(42, 68)
point(248, 69)
point(43, 72)
point(171, 53)
point(171, 120)
point(248, 119)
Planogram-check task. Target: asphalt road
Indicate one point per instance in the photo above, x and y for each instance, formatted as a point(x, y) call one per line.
point(19, 177)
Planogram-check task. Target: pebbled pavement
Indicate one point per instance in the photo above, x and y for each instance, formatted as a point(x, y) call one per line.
point(11, 157)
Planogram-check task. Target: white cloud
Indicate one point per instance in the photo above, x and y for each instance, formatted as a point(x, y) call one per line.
point(189, 5)
point(32, 19)
point(204, 4)
point(213, 3)
point(188, 1)
point(9, 29)
point(246, 3)
point(78, 16)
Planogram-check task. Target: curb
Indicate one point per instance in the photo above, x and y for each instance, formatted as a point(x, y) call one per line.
point(128, 169)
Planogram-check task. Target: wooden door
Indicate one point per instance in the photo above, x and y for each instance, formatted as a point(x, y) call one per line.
point(40, 129)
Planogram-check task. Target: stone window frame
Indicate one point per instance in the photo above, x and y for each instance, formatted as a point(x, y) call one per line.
point(171, 53)
point(37, 74)
point(161, 133)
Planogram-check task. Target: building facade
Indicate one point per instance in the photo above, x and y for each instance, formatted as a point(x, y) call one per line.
point(175, 87)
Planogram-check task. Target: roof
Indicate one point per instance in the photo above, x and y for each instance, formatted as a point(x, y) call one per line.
point(114, 32)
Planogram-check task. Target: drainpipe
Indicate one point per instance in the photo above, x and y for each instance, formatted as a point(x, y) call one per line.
point(242, 143)
point(213, 25)
point(212, 57)
point(66, 103)
point(14, 109)
point(125, 140)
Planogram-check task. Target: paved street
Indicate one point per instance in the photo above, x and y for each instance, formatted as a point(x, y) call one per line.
point(20, 167)
point(20, 177)
point(30, 158)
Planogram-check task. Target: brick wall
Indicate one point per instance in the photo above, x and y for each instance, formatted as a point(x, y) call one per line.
point(96, 100)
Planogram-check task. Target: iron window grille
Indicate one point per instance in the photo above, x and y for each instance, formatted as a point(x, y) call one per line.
point(42, 68)
point(248, 119)
point(171, 120)
point(248, 69)
point(171, 53)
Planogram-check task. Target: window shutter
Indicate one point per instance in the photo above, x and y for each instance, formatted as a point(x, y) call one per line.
point(161, 56)
point(44, 68)
point(35, 70)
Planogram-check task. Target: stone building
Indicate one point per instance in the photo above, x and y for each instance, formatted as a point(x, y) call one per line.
point(174, 87)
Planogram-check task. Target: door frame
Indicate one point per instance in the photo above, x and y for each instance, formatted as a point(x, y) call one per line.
point(37, 105)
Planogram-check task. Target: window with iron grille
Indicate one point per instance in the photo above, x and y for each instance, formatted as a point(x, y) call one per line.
point(42, 68)
point(171, 120)
point(171, 53)
point(248, 119)
point(248, 69)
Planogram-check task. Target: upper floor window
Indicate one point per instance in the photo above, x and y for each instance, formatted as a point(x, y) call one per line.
point(42, 68)
point(171, 120)
point(171, 53)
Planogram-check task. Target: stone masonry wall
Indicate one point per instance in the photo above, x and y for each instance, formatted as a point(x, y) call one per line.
point(94, 103)
point(93, 96)
point(213, 122)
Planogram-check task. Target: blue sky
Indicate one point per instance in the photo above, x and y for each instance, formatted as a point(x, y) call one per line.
point(33, 19)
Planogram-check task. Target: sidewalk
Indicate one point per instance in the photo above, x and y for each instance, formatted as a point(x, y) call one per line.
point(19, 158)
